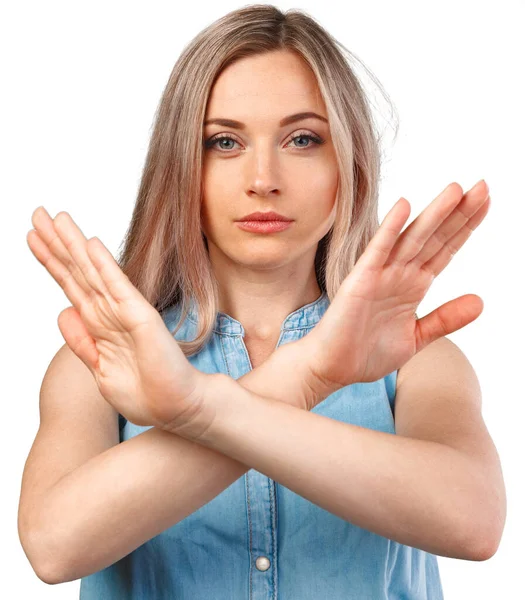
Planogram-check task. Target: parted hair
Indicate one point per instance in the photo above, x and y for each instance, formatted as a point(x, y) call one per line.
point(164, 252)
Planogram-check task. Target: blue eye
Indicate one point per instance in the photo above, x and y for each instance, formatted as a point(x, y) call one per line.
point(313, 138)
point(211, 143)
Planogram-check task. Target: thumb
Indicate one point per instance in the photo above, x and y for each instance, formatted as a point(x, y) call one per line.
point(77, 337)
point(447, 318)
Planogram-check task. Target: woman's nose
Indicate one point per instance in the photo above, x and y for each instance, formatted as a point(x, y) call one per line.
point(263, 171)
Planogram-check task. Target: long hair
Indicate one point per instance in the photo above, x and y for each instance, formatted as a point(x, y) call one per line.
point(165, 255)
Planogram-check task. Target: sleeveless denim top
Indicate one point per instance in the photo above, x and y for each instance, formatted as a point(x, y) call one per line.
point(258, 540)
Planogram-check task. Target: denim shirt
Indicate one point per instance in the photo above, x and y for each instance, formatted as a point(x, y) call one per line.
point(258, 540)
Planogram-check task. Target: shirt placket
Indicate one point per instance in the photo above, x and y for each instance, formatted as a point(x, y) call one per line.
point(260, 495)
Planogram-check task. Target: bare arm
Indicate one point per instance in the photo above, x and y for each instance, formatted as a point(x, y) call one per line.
point(93, 516)
point(418, 492)
point(77, 513)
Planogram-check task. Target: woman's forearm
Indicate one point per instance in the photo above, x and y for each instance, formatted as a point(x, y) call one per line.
point(94, 515)
point(116, 501)
point(417, 492)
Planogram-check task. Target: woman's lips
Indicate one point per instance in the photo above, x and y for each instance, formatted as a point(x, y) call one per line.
point(264, 226)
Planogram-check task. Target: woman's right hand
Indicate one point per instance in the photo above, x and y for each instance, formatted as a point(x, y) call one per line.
point(121, 338)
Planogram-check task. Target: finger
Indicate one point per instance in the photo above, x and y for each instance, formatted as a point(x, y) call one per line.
point(445, 255)
point(416, 235)
point(447, 318)
point(45, 227)
point(78, 338)
point(56, 269)
point(116, 281)
point(76, 243)
point(469, 207)
point(380, 246)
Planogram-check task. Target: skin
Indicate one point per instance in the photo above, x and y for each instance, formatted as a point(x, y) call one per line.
point(265, 277)
point(368, 331)
point(139, 367)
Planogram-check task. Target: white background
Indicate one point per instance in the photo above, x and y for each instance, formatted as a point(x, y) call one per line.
point(81, 82)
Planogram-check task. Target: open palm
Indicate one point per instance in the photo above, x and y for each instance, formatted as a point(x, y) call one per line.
point(137, 364)
point(370, 328)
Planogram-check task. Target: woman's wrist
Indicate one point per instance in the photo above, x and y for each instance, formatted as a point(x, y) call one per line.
point(286, 376)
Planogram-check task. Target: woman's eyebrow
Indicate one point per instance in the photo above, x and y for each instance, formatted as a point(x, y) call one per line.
point(285, 121)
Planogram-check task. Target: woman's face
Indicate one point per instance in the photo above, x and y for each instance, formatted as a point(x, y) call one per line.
point(261, 167)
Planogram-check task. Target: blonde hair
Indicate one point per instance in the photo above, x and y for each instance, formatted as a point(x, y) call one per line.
point(165, 254)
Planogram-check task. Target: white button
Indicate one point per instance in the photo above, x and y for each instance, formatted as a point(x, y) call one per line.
point(262, 563)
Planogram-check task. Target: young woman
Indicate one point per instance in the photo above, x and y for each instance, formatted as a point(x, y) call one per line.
point(220, 422)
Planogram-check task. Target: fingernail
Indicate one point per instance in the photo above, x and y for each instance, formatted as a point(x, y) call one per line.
point(481, 180)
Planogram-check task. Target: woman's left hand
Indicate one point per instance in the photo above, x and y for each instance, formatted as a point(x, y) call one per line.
point(370, 328)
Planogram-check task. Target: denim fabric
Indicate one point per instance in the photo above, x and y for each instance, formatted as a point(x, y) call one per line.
point(258, 540)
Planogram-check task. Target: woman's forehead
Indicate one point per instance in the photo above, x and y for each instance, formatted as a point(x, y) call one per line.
point(263, 78)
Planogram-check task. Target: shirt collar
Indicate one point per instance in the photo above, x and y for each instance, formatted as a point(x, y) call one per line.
point(305, 316)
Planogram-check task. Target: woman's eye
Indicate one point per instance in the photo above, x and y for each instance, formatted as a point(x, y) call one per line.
point(307, 136)
point(213, 142)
